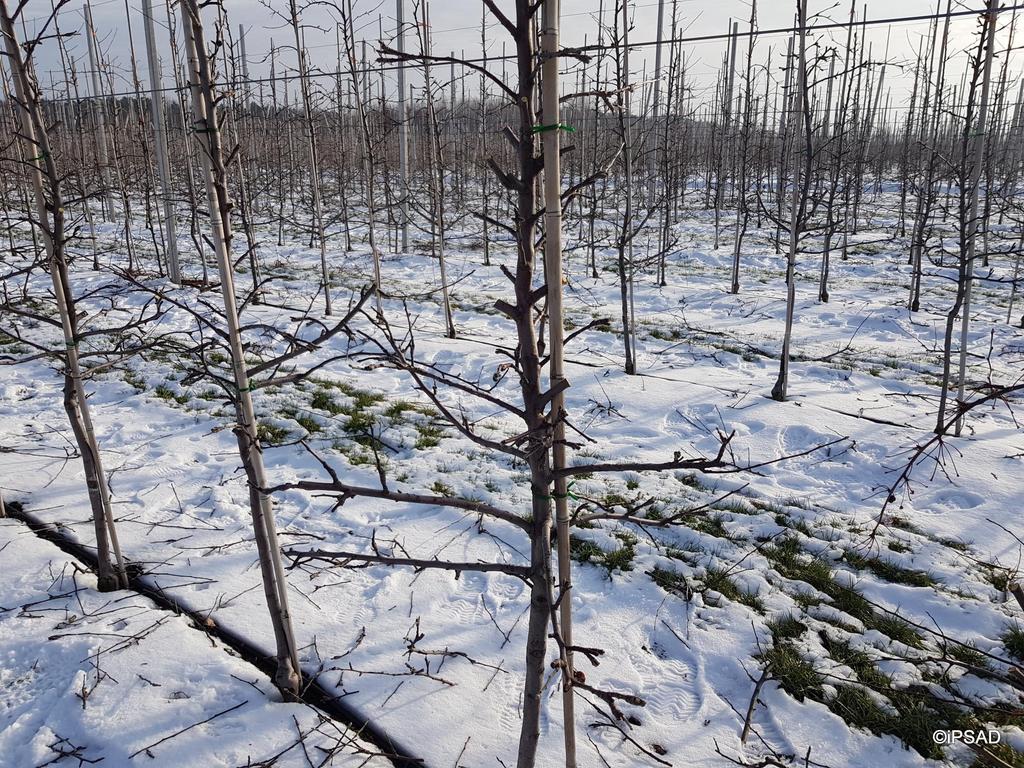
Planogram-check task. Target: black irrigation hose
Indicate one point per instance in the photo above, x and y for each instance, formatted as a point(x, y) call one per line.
point(313, 693)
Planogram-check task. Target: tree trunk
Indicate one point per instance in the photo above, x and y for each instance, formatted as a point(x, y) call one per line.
point(50, 221)
point(978, 150)
point(549, 36)
point(314, 167)
point(206, 128)
point(799, 102)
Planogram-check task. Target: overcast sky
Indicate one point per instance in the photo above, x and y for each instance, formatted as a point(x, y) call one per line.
point(455, 26)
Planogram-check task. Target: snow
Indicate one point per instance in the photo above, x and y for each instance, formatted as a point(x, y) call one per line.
point(704, 365)
point(112, 677)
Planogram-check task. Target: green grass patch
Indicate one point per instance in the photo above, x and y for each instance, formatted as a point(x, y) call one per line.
point(918, 711)
point(583, 550)
point(885, 569)
point(968, 654)
point(789, 560)
point(135, 380)
point(805, 600)
point(359, 425)
point(270, 434)
point(767, 506)
point(309, 424)
point(1003, 753)
point(692, 481)
point(712, 525)
point(672, 581)
point(737, 507)
point(794, 674)
point(618, 559)
point(1013, 641)
point(166, 393)
point(395, 412)
point(785, 521)
point(859, 661)
point(786, 627)
point(718, 580)
point(428, 436)
point(903, 524)
point(999, 578)
point(324, 401)
point(896, 628)
point(858, 708)
point(442, 489)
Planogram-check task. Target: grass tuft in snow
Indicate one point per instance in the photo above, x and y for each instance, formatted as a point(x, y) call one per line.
point(897, 629)
point(999, 577)
point(621, 559)
point(692, 481)
point(1001, 755)
point(968, 654)
point(903, 524)
point(442, 489)
point(618, 559)
point(717, 580)
point(324, 401)
point(858, 708)
point(583, 551)
point(672, 582)
point(786, 627)
point(794, 674)
point(885, 569)
point(308, 423)
point(859, 661)
point(429, 435)
point(785, 521)
point(1013, 641)
point(712, 525)
point(270, 434)
point(791, 562)
point(166, 393)
point(918, 710)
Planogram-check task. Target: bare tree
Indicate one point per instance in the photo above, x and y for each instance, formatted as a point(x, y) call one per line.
point(206, 127)
point(49, 221)
point(969, 172)
point(799, 194)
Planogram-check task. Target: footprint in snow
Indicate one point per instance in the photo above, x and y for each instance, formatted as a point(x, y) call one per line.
point(948, 499)
point(669, 684)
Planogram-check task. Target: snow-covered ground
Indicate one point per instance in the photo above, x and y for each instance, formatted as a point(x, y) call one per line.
point(859, 630)
point(112, 679)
